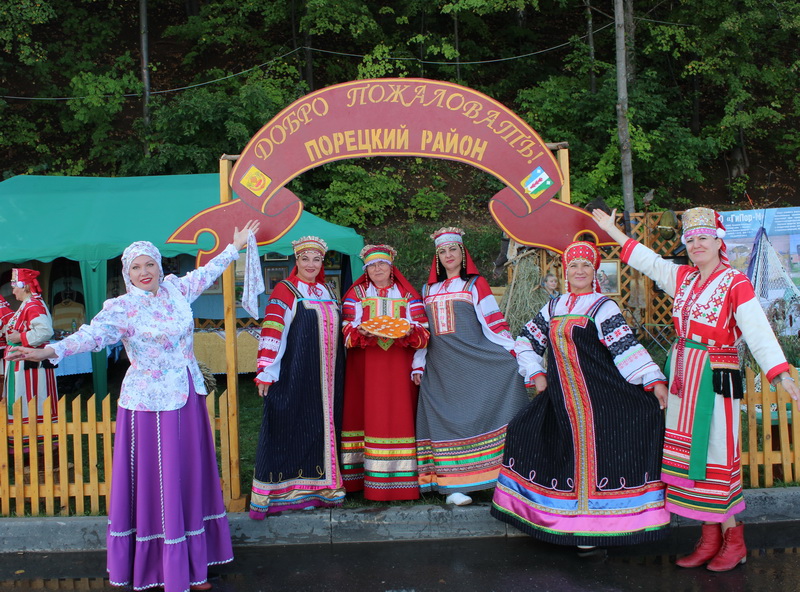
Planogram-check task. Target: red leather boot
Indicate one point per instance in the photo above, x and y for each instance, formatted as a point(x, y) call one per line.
point(733, 551)
point(706, 548)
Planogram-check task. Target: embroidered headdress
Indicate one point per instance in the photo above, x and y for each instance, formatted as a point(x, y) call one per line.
point(697, 221)
point(581, 251)
point(135, 250)
point(373, 253)
point(21, 277)
point(309, 243)
point(447, 236)
point(450, 235)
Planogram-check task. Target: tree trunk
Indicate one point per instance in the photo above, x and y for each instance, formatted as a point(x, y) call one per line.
point(309, 64)
point(590, 43)
point(623, 131)
point(458, 57)
point(144, 42)
point(630, 41)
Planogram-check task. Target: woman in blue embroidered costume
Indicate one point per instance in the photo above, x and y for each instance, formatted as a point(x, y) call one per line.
point(470, 386)
point(167, 520)
point(301, 378)
point(714, 308)
point(582, 461)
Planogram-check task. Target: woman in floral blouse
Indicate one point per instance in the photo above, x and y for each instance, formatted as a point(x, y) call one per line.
point(167, 520)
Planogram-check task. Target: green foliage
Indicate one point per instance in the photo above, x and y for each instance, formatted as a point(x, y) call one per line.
point(100, 99)
point(415, 248)
point(712, 77)
point(356, 196)
point(188, 133)
point(18, 21)
point(429, 203)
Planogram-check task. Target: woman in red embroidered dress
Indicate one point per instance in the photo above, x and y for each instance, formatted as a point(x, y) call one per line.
point(380, 398)
point(29, 326)
point(714, 307)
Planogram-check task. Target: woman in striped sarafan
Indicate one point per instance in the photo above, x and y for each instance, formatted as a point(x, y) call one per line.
point(714, 307)
point(470, 386)
point(301, 378)
point(582, 461)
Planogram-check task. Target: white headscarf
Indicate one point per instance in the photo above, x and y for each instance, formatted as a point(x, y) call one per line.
point(135, 250)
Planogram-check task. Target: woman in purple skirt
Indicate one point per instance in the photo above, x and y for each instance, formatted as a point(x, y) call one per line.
point(167, 520)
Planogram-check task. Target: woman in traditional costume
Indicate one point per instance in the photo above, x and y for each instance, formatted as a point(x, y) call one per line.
point(582, 461)
point(167, 521)
point(6, 312)
point(470, 385)
point(380, 398)
point(300, 376)
point(30, 326)
point(714, 308)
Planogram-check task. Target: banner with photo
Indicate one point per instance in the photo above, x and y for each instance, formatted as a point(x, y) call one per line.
point(775, 269)
point(783, 229)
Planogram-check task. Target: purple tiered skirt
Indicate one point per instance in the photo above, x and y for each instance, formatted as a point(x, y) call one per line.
point(167, 521)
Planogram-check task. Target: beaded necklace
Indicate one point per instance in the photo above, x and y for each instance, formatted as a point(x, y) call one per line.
point(691, 299)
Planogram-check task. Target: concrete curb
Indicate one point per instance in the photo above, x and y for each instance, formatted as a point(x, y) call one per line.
point(357, 525)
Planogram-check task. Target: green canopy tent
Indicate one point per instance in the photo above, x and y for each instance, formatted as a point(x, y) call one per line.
point(93, 219)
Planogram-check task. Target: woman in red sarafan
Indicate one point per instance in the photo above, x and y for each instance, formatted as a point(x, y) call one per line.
point(380, 402)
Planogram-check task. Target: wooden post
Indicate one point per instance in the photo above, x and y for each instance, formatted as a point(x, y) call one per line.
point(562, 154)
point(237, 502)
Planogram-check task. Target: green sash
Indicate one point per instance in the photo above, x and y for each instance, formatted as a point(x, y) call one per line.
point(703, 411)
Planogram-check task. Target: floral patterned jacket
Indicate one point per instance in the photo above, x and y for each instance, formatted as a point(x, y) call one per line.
point(157, 331)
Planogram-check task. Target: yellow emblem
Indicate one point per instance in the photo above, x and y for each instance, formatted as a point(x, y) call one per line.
point(256, 181)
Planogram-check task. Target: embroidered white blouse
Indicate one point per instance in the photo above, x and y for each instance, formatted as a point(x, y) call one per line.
point(485, 308)
point(157, 331)
point(269, 369)
point(630, 357)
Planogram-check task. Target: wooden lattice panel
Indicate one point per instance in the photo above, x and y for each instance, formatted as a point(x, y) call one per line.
point(646, 307)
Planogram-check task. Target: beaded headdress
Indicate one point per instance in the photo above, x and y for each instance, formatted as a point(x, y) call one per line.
point(309, 243)
point(581, 251)
point(699, 221)
point(448, 235)
point(373, 253)
point(702, 221)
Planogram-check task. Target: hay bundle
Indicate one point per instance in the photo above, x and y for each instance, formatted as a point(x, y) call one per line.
point(525, 296)
point(209, 379)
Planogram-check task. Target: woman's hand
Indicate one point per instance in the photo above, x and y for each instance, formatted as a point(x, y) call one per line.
point(417, 378)
point(540, 382)
point(240, 236)
point(608, 223)
point(791, 388)
point(14, 337)
point(30, 354)
point(604, 221)
point(262, 389)
point(661, 392)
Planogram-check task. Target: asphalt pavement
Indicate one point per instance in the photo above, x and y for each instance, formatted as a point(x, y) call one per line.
point(506, 564)
point(366, 524)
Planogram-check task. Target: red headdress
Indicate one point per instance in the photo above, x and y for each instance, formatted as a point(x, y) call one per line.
point(21, 277)
point(581, 251)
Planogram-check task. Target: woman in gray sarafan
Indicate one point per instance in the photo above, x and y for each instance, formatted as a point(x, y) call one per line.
point(470, 385)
